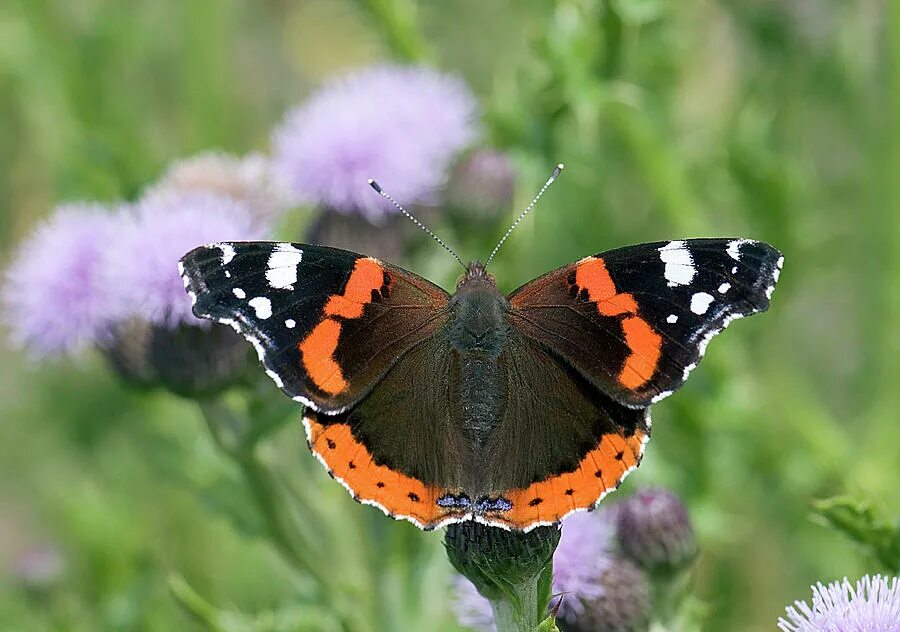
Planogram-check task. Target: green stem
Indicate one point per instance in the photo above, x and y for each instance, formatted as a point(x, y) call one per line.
point(283, 516)
point(397, 22)
point(518, 615)
point(227, 431)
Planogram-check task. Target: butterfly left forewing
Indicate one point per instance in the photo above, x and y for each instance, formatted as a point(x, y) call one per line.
point(327, 324)
point(635, 321)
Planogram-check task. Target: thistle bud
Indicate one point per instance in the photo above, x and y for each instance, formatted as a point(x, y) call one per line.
point(655, 531)
point(482, 184)
point(187, 359)
point(623, 604)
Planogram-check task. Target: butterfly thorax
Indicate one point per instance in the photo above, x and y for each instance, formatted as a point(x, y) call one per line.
point(478, 320)
point(477, 330)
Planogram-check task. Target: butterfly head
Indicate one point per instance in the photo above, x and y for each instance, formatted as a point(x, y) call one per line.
point(476, 276)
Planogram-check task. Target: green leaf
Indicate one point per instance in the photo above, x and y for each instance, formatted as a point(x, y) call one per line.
point(860, 522)
point(296, 618)
point(548, 625)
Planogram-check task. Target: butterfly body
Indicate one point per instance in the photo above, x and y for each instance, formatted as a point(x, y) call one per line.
point(477, 331)
point(512, 410)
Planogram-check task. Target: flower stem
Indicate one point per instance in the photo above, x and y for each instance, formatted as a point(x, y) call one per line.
point(518, 615)
point(284, 515)
point(397, 22)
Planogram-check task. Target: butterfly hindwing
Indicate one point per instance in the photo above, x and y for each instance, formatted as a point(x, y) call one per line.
point(410, 452)
point(635, 321)
point(327, 323)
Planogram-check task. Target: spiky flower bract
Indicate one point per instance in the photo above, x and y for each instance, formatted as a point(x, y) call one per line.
point(401, 125)
point(872, 605)
point(581, 559)
point(54, 297)
point(141, 263)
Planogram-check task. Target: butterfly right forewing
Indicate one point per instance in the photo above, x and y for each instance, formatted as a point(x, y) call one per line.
point(635, 321)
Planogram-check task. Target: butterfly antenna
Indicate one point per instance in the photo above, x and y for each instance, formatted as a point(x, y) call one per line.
point(553, 176)
point(409, 215)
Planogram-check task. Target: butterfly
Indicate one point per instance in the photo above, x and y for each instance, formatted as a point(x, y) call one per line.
point(514, 410)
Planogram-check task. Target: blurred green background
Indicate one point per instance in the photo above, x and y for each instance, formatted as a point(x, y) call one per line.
point(760, 118)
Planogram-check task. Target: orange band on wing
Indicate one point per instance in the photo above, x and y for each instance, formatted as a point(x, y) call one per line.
point(317, 350)
point(601, 470)
point(348, 460)
point(320, 344)
point(367, 275)
point(592, 276)
point(645, 345)
point(643, 342)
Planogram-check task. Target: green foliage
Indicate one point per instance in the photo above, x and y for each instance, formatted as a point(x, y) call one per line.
point(772, 120)
point(860, 522)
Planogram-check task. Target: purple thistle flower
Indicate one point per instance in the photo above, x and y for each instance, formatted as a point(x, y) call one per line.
point(472, 610)
point(141, 264)
point(399, 125)
point(53, 297)
point(250, 179)
point(582, 557)
point(873, 605)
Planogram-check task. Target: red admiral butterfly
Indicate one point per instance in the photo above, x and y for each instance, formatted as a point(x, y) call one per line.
point(511, 410)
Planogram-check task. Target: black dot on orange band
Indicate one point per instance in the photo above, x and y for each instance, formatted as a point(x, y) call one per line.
point(413, 497)
point(598, 474)
point(379, 484)
point(570, 491)
point(331, 444)
point(535, 502)
point(351, 465)
point(583, 295)
point(619, 456)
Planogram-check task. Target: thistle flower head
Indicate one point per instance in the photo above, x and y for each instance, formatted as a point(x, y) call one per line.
point(623, 604)
point(249, 179)
point(872, 605)
point(54, 298)
point(581, 558)
point(140, 265)
point(401, 125)
point(580, 571)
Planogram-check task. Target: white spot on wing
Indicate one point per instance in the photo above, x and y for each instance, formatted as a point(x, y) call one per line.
point(724, 288)
point(734, 248)
point(700, 302)
point(281, 270)
point(679, 265)
point(262, 306)
point(290, 323)
point(672, 319)
point(239, 293)
point(227, 252)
